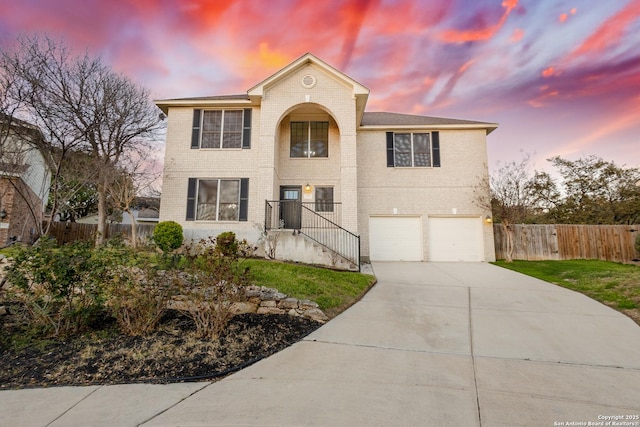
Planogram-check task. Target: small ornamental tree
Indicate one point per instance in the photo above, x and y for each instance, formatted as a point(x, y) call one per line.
point(168, 235)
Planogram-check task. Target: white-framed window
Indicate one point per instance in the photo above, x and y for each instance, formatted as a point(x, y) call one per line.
point(324, 199)
point(218, 200)
point(412, 150)
point(309, 139)
point(221, 129)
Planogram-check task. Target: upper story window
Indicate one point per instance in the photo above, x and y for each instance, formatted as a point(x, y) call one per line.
point(221, 129)
point(417, 149)
point(309, 139)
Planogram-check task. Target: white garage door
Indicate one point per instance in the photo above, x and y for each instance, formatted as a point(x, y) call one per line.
point(395, 238)
point(455, 239)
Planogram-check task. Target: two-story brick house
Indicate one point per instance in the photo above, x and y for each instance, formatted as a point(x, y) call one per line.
point(299, 153)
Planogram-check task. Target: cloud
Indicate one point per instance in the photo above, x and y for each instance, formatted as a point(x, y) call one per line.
point(517, 35)
point(610, 33)
point(352, 15)
point(482, 33)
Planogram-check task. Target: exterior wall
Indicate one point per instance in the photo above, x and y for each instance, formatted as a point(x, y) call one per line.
point(182, 162)
point(337, 100)
point(322, 171)
point(21, 222)
point(37, 177)
point(448, 190)
point(24, 190)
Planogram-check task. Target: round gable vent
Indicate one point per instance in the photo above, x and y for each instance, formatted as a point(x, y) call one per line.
point(308, 81)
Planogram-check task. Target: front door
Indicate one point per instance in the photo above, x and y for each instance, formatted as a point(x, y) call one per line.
point(290, 207)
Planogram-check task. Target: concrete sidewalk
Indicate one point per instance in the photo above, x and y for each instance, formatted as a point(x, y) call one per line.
point(432, 344)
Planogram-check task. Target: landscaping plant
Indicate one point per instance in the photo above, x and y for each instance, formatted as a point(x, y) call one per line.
point(216, 281)
point(138, 297)
point(60, 288)
point(168, 235)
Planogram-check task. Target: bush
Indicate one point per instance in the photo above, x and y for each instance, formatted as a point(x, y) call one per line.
point(638, 245)
point(60, 288)
point(215, 284)
point(226, 244)
point(138, 297)
point(63, 289)
point(168, 235)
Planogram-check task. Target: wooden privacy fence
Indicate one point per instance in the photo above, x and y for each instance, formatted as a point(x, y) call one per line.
point(556, 242)
point(65, 232)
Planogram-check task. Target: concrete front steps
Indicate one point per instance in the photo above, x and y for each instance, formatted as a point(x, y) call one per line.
point(300, 248)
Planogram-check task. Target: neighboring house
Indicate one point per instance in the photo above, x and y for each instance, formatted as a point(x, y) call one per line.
point(299, 153)
point(24, 181)
point(145, 211)
point(142, 216)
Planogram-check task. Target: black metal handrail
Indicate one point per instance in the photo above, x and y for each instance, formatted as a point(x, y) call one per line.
point(318, 226)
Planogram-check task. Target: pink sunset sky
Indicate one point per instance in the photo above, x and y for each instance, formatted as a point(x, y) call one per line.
point(561, 77)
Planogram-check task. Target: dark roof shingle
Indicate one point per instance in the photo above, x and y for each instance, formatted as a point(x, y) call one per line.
point(396, 119)
point(242, 96)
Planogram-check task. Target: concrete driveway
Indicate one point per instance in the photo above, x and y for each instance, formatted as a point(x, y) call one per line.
point(432, 344)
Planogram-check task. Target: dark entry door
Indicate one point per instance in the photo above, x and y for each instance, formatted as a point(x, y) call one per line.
point(290, 207)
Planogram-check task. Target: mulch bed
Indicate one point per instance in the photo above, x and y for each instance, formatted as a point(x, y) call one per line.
point(173, 353)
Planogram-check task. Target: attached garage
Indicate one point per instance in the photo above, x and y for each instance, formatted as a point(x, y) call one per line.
point(395, 238)
point(455, 239)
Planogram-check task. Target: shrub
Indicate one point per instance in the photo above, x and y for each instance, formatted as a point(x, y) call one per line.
point(138, 297)
point(63, 289)
point(215, 284)
point(60, 288)
point(168, 235)
point(226, 244)
point(638, 245)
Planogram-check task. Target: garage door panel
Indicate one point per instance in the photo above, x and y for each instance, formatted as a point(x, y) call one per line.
point(395, 239)
point(455, 239)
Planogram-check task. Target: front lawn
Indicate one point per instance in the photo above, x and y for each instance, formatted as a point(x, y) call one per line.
point(616, 285)
point(334, 291)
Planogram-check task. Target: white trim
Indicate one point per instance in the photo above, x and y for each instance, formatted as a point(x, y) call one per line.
point(308, 58)
point(489, 127)
point(314, 81)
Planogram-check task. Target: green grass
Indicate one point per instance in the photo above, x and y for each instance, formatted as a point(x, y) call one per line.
point(614, 284)
point(334, 291)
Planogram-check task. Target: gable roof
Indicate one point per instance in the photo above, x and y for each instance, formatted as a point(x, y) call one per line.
point(203, 101)
point(308, 58)
point(360, 92)
point(368, 120)
point(379, 120)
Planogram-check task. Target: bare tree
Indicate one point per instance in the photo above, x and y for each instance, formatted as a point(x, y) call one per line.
point(81, 104)
point(510, 202)
point(76, 191)
point(126, 183)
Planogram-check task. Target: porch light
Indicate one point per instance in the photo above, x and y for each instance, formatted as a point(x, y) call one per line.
point(488, 219)
point(307, 188)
